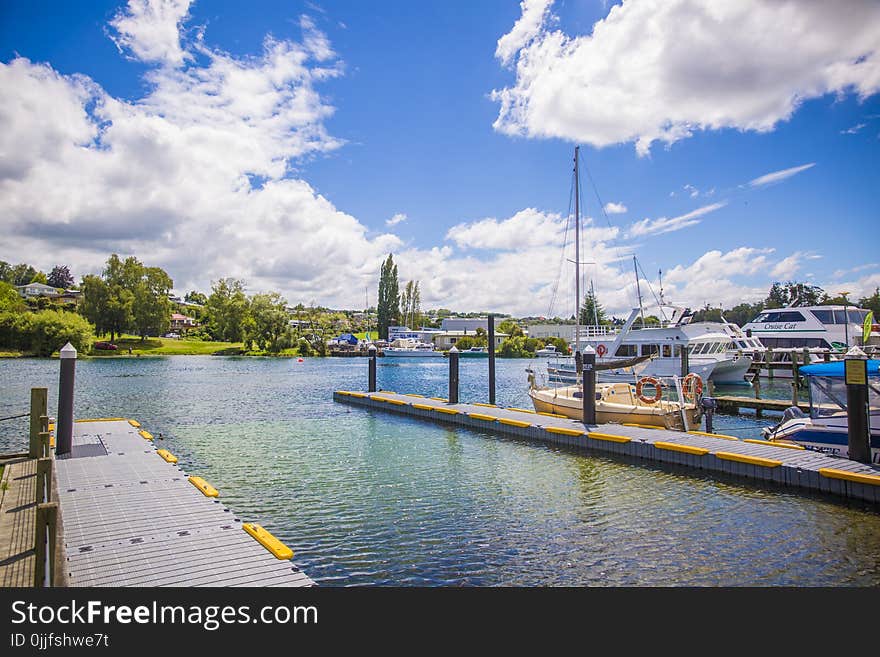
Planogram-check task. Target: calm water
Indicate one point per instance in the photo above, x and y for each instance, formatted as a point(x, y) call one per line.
point(366, 498)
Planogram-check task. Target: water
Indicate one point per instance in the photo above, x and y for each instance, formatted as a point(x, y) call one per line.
point(367, 498)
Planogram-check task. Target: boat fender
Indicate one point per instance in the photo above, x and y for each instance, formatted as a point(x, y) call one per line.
point(692, 386)
point(648, 380)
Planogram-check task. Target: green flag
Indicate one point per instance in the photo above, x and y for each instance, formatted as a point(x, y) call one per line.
point(866, 329)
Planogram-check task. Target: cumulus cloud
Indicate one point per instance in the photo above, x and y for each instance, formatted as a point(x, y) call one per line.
point(396, 219)
point(778, 176)
point(668, 225)
point(615, 208)
point(150, 30)
point(659, 70)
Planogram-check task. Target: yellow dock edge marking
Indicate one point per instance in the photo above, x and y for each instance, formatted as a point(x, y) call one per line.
point(566, 432)
point(412, 394)
point(207, 489)
point(146, 435)
point(423, 407)
point(103, 419)
point(396, 402)
point(687, 449)
point(770, 443)
point(359, 395)
point(134, 423)
point(448, 411)
point(752, 460)
point(714, 435)
point(641, 426)
point(858, 477)
point(521, 410)
point(486, 405)
point(514, 423)
point(390, 392)
point(264, 538)
point(439, 398)
point(610, 437)
point(51, 426)
point(343, 392)
point(168, 456)
point(480, 416)
point(565, 417)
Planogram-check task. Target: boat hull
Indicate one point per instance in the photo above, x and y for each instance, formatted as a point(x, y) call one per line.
point(390, 353)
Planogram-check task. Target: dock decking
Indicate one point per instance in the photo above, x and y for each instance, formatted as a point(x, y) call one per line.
point(755, 461)
point(18, 511)
point(132, 517)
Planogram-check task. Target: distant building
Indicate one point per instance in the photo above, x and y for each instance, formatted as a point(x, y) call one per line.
point(470, 324)
point(445, 340)
point(541, 331)
point(405, 333)
point(182, 323)
point(33, 290)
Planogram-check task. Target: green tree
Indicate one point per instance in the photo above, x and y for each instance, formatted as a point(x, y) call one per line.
point(388, 305)
point(60, 277)
point(151, 308)
point(592, 311)
point(783, 294)
point(22, 274)
point(196, 297)
point(40, 277)
point(510, 327)
point(10, 299)
point(44, 332)
point(872, 303)
point(269, 325)
point(410, 305)
point(228, 310)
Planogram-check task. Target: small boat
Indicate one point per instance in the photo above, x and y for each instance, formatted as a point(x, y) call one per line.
point(622, 403)
point(409, 348)
point(826, 428)
point(549, 350)
point(474, 352)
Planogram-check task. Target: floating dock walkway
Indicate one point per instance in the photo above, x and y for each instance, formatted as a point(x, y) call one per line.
point(133, 517)
point(756, 460)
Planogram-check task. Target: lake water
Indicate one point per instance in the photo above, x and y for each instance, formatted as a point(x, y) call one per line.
point(367, 498)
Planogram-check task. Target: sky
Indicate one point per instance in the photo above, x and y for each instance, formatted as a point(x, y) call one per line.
point(294, 145)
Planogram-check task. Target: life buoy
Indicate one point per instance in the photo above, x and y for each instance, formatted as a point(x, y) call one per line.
point(601, 350)
point(692, 386)
point(658, 391)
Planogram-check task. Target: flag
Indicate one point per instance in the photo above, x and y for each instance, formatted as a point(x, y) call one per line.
point(866, 329)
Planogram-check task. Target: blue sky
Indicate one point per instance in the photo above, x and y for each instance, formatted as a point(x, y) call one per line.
point(294, 145)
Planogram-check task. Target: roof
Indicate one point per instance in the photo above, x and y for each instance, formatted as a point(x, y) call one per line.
point(835, 369)
point(39, 286)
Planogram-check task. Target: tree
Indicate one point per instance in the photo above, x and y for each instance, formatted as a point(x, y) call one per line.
point(10, 299)
point(151, 308)
point(228, 310)
point(22, 274)
point(388, 305)
point(40, 277)
point(196, 297)
point(783, 294)
point(592, 311)
point(410, 305)
point(60, 277)
point(270, 321)
point(872, 303)
point(511, 328)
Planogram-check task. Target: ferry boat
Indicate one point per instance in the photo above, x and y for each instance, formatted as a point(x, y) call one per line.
point(825, 428)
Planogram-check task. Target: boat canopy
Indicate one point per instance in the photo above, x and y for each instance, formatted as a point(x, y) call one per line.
point(835, 369)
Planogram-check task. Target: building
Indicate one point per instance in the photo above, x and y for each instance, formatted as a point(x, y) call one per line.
point(406, 333)
point(33, 290)
point(182, 323)
point(445, 340)
point(470, 324)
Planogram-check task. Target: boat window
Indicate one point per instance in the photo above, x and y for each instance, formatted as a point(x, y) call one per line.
point(717, 347)
point(780, 316)
point(839, 317)
point(857, 316)
point(676, 351)
point(667, 351)
point(824, 316)
point(648, 349)
point(794, 343)
point(626, 350)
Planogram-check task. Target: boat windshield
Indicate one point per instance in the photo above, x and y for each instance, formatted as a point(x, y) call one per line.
point(828, 396)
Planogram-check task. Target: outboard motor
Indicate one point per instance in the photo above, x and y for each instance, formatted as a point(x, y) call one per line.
point(790, 413)
point(708, 404)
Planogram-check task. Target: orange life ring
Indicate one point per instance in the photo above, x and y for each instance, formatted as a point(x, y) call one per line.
point(658, 391)
point(601, 350)
point(692, 390)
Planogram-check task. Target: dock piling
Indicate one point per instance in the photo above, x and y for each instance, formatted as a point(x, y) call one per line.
point(685, 365)
point(856, 377)
point(453, 375)
point(65, 400)
point(39, 408)
point(589, 387)
point(794, 377)
point(371, 383)
point(491, 358)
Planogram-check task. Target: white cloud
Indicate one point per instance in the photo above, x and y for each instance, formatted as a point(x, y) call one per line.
point(150, 29)
point(854, 129)
point(396, 219)
point(691, 190)
point(668, 225)
point(778, 176)
point(659, 70)
point(615, 208)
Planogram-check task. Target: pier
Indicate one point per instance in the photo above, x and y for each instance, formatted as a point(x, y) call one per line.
point(732, 404)
point(750, 461)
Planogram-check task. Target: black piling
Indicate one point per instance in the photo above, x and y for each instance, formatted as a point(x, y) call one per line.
point(491, 358)
point(589, 388)
point(64, 426)
point(453, 375)
point(371, 383)
point(856, 376)
point(685, 366)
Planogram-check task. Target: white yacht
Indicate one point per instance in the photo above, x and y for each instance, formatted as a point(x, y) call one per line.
point(407, 347)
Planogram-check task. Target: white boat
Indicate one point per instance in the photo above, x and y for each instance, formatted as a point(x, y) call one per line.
point(409, 348)
point(549, 350)
point(826, 427)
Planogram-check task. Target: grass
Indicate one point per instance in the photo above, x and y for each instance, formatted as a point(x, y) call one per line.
point(10, 354)
point(170, 347)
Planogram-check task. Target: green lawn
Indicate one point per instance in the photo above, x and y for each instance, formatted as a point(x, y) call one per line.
point(169, 347)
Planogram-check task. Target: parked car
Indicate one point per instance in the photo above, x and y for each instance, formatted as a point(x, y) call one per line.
point(107, 346)
point(171, 335)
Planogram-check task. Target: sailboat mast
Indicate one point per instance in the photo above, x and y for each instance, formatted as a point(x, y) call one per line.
point(639, 291)
point(577, 256)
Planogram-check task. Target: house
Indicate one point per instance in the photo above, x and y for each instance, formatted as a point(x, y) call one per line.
point(33, 290)
point(182, 323)
point(445, 340)
point(470, 324)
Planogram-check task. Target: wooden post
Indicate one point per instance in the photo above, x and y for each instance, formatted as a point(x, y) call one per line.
point(794, 378)
point(855, 368)
point(44, 449)
point(685, 366)
point(39, 408)
point(769, 354)
point(45, 544)
point(710, 387)
point(44, 480)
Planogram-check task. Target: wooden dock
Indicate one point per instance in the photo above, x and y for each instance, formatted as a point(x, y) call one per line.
point(133, 517)
point(18, 511)
point(755, 460)
point(732, 404)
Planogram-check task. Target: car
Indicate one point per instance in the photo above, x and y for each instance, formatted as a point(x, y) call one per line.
point(107, 346)
point(171, 335)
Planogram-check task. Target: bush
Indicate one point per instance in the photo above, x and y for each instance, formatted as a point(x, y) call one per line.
point(45, 332)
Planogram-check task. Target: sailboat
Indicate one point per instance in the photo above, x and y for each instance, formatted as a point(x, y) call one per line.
point(619, 402)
